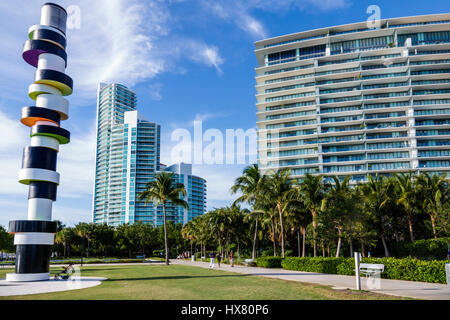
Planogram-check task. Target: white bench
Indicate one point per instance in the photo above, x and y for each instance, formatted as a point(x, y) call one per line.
point(371, 269)
point(249, 263)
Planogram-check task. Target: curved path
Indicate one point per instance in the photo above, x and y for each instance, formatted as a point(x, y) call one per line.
point(22, 288)
point(412, 289)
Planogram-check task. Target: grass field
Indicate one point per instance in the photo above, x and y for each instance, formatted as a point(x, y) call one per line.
point(162, 282)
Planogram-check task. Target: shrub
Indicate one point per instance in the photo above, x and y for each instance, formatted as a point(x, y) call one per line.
point(288, 253)
point(318, 264)
point(269, 262)
point(400, 269)
point(198, 256)
point(267, 253)
point(422, 249)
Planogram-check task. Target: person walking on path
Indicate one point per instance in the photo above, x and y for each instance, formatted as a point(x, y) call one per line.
point(231, 258)
point(219, 258)
point(211, 259)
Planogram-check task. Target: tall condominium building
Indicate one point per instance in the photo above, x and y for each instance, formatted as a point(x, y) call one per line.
point(195, 191)
point(127, 158)
point(354, 100)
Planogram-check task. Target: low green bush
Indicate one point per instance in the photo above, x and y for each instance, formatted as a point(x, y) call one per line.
point(267, 253)
point(400, 269)
point(422, 249)
point(269, 262)
point(288, 253)
point(318, 264)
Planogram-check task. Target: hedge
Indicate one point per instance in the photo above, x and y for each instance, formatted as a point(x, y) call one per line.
point(422, 249)
point(269, 262)
point(400, 269)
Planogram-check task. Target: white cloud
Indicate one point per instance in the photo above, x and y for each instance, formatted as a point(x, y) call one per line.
point(154, 91)
point(240, 12)
point(219, 180)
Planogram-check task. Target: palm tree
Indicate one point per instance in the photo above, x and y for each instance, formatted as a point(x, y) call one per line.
point(250, 185)
point(161, 190)
point(64, 237)
point(279, 190)
point(313, 190)
point(339, 203)
point(299, 217)
point(188, 232)
point(377, 192)
point(407, 198)
point(85, 231)
point(433, 190)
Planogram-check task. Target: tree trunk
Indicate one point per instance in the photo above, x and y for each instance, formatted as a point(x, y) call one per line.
point(338, 250)
point(282, 229)
point(166, 249)
point(363, 251)
point(386, 251)
point(89, 245)
point(65, 247)
point(351, 247)
point(314, 223)
point(254, 240)
point(274, 234)
point(304, 242)
point(328, 249)
point(298, 241)
point(191, 249)
point(410, 225)
point(323, 249)
point(433, 226)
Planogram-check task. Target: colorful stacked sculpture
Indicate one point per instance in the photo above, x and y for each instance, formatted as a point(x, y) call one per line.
point(44, 50)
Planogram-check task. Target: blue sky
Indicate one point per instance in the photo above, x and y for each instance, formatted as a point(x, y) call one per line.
point(185, 60)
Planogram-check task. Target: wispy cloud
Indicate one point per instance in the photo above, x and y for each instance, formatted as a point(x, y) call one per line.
point(241, 12)
point(154, 91)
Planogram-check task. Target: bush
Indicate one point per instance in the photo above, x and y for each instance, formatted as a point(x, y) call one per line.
point(267, 253)
point(422, 249)
point(288, 253)
point(400, 269)
point(318, 264)
point(269, 262)
point(198, 256)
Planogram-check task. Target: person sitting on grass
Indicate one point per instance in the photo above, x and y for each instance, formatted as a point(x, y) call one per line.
point(67, 271)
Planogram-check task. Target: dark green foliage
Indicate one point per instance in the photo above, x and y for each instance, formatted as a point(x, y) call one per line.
point(422, 249)
point(318, 264)
point(289, 253)
point(269, 262)
point(400, 269)
point(267, 253)
point(6, 241)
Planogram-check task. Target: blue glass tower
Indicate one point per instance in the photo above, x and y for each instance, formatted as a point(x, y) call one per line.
point(127, 158)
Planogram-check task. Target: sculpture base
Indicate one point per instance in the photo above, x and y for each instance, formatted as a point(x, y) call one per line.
point(27, 277)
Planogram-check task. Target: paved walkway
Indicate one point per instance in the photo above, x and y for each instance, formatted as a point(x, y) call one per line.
point(22, 288)
point(413, 289)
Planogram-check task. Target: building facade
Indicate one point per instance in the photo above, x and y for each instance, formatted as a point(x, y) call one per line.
point(127, 158)
point(195, 192)
point(353, 100)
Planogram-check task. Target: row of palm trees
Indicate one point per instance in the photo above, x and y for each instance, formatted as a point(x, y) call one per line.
point(329, 211)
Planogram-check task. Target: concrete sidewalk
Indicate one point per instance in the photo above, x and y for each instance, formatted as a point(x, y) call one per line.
point(413, 289)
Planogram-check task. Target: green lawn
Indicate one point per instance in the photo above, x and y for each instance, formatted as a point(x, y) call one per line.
point(192, 283)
